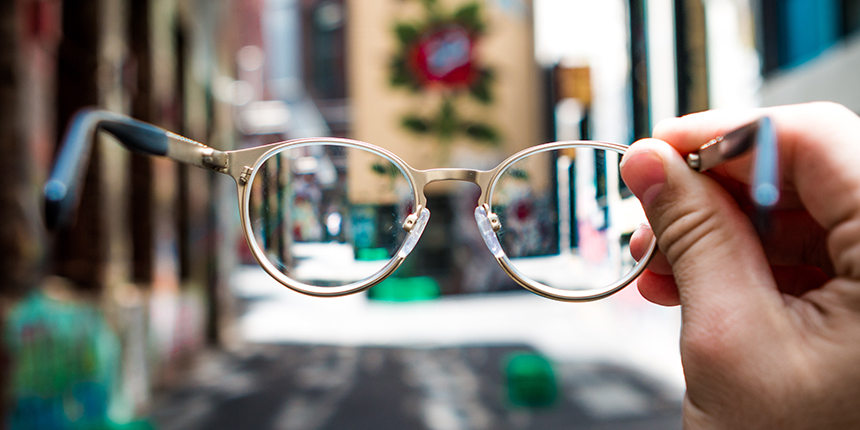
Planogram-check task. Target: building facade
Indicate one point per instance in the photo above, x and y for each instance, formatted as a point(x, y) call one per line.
point(102, 311)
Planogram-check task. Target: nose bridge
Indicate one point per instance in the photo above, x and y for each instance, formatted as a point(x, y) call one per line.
point(480, 178)
point(465, 175)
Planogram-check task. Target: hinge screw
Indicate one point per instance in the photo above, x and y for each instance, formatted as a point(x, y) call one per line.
point(409, 222)
point(245, 175)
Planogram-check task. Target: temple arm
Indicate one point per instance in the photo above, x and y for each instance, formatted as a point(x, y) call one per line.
point(759, 135)
point(62, 189)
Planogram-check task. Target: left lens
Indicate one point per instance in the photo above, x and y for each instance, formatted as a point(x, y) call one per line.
point(566, 217)
point(329, 214)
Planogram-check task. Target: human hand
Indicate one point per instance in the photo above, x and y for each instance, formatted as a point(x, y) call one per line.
point(770, 333)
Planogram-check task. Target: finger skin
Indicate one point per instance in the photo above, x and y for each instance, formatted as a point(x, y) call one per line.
point(656, 284)
point(794, 246)
point(640, 243)
point(794, 238)
point(770, 333)
point(658, 289)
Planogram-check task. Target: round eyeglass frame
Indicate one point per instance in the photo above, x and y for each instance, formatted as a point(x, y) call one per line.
point(245, 164)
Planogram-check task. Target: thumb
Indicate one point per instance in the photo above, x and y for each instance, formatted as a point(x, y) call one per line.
point(715, 253)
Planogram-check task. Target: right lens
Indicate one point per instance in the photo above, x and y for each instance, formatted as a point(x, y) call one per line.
point(566, 217)
point(329, 213)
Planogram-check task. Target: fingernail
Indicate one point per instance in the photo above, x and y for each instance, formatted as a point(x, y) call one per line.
point(644, 174)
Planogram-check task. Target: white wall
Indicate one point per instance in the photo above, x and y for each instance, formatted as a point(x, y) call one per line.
point(832, 76)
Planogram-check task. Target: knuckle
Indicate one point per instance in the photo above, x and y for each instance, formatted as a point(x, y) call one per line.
point(684, 228)
point(845, 248)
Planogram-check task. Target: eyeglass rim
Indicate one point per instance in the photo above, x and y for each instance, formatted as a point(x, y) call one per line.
point(564, 295)
point(263, 153)
point(496, 173)
point(538, 287)
point(485, 179)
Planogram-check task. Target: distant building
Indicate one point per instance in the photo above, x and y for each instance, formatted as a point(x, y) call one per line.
point(810, 51)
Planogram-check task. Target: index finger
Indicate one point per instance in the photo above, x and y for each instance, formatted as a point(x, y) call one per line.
point(817, 147)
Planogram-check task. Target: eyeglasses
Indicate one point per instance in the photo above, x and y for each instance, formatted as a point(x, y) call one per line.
point(330, 217)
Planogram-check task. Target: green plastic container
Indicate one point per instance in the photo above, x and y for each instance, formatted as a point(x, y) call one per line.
point(405, 289)
point(371, 254)
point(530, 380)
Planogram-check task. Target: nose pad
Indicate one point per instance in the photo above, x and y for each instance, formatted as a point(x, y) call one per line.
point(416, 228)
point(488, 233)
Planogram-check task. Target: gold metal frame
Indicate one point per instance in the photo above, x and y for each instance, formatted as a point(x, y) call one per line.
point(242, 165)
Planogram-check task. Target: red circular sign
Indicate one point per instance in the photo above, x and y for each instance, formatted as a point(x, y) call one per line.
point(444, 56)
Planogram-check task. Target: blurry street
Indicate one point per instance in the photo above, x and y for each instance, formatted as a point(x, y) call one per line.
point(328, 387)
point(132, 299)
point(449, 363)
